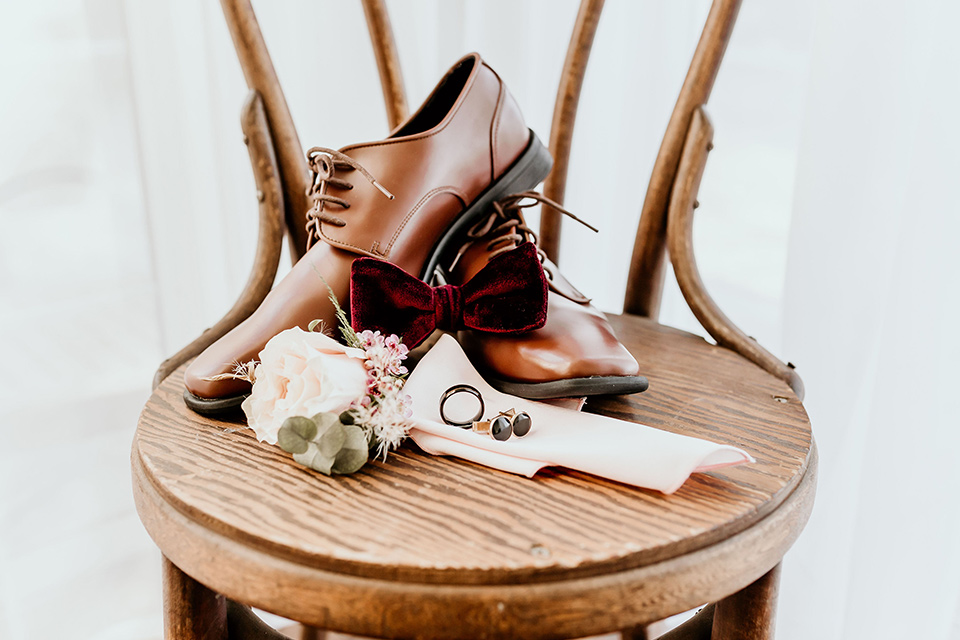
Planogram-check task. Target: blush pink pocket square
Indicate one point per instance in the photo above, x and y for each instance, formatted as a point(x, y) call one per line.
point(627, 452)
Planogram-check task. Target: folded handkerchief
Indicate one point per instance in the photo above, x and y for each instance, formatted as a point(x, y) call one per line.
point(623, 451)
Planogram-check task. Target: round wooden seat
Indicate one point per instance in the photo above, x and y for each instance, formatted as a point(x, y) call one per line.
point(430, 546)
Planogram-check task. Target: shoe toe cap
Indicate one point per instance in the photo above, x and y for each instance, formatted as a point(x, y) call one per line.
point(209, 364)
point(576, 342)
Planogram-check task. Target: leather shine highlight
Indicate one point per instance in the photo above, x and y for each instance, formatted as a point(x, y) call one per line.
point(576, 342)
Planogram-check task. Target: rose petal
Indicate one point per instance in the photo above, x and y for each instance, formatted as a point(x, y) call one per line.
point(302, 373)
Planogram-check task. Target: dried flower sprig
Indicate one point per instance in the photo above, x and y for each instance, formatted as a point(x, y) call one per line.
point(241, 371)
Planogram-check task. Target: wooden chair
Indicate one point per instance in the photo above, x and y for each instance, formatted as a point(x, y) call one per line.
point(425, 546)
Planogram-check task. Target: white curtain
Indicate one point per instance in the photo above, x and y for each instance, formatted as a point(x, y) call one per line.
point(870, 309)
point(824, 231)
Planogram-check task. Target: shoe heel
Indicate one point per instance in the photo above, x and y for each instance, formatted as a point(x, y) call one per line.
point(531, 168)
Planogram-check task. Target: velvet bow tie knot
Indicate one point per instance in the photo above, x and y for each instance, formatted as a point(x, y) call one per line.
point(447, 307)
point(508, 295)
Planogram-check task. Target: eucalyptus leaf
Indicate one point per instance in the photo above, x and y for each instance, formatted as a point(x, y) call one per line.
point(296, 433)
point(348, 417)
point(315, 459)
point(354, 452)
point(324, 421)
point(332, 440)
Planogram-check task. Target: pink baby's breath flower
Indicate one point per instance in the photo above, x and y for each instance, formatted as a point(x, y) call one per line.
point(385, 356)
point(406, 403)
point(384, 412)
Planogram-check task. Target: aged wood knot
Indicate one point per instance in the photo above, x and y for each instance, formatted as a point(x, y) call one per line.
point(709, 146)
point(540, 551)
point(696, 204)
point(260, 196)
point(780, 399)
point(246, 140)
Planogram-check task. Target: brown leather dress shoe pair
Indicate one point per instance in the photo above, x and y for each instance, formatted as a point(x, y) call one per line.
point(411, 199)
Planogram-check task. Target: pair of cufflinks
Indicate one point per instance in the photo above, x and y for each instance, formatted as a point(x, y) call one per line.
point(501, 427)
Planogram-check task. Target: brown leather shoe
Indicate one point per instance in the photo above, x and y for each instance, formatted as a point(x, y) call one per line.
point(404, 199)
point(576, 352)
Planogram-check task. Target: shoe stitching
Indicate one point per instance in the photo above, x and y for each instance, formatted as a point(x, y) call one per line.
point(423, 201)
point(322, 163)
point(495, 130)
point(436, 191)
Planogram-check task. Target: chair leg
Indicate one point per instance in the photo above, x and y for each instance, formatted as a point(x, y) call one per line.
point(749, 614)
point(699, 627)
point(635, 633)
point(312, 633)
point(190, 610)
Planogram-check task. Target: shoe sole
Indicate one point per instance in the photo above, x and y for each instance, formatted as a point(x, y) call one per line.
point(213, 406)
point(572, 388)
point(526, 172)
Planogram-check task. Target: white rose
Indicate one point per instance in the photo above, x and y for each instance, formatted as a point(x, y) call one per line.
point(302, 373)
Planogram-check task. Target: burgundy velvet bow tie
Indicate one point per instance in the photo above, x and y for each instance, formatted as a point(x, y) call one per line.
point(508, 295)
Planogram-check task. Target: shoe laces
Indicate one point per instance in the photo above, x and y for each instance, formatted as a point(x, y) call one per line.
point(506, 227)
point(323, 163)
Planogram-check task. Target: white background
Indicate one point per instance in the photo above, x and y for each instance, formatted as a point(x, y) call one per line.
point(827, 229)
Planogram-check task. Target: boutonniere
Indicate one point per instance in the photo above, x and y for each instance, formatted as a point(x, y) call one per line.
point(330, 405)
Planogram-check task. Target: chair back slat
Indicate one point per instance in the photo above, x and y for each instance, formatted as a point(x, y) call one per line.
point(564, 118)
point(645, 281)
point(260, 75)
point(388, 62)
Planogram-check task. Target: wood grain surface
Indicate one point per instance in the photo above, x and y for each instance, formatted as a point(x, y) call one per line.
point(386, 608)
point(440, 520)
